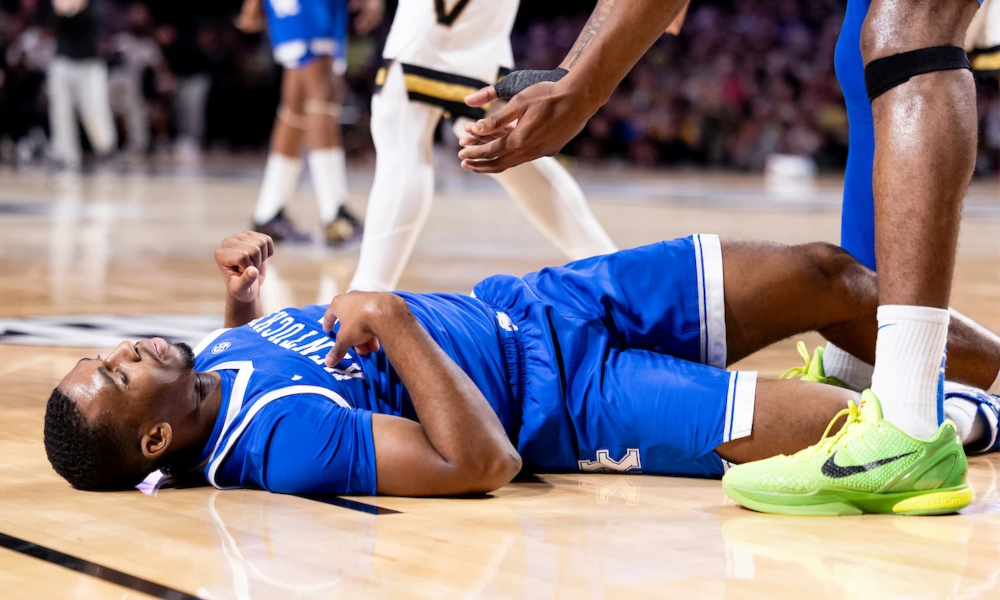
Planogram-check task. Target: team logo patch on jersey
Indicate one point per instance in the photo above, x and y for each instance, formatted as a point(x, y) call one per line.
point(220, 347)
point(630, 463)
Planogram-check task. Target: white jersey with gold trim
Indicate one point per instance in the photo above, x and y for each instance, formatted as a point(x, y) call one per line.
point(470, 38)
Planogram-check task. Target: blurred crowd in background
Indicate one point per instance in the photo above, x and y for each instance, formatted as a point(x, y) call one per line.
point(745, 79)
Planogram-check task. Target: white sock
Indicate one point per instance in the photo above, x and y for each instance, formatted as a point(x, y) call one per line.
point(281, 178)
point(909, 366)
point(969, 422)
point(328, 170)
point(846, 367)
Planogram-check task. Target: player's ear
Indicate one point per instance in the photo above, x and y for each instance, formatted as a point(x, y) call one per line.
point(156, 440)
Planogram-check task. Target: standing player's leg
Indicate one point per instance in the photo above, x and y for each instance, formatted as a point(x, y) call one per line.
point(327, 166)
point(403, 190)
point(554, 203)
point(284, 164)
point(61, 81)
point(857, 222)
point(95, 108)
point(924, 109)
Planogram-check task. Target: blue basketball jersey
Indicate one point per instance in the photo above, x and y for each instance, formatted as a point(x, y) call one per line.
point(613, 363)
point(290, 424)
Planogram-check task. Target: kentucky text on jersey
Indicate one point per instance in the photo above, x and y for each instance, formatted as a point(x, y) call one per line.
point(280, 328)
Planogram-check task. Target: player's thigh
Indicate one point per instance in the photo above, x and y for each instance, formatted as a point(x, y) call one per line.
point(773, 291)
point(665, 413)
point(402, 130)
point(665, 297)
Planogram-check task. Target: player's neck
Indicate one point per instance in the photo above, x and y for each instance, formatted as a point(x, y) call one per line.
point(196, 428)
point(191, 438)
point(209, 389)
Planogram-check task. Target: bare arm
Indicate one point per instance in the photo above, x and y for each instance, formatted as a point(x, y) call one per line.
point(548, 115)
point(242, 261)
point(459, 446)
point(615, 37)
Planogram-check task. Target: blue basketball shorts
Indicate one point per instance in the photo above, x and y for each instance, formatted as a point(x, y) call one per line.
point(619, 361)
point(304, 30)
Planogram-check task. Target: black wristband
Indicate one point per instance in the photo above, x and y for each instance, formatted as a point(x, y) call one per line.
point(517, 81)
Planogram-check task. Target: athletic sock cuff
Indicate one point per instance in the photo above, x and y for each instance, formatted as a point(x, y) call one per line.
point(924, 314)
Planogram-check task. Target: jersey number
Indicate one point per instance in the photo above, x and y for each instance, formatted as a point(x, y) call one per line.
point(447, 18)
point(605, 464)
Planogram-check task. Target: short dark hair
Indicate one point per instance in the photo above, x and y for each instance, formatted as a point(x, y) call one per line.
point(103, 455)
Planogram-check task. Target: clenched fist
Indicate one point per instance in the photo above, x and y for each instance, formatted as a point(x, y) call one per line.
point(242, 260)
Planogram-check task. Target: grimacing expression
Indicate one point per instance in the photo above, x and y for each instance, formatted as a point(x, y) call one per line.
point(150, 380)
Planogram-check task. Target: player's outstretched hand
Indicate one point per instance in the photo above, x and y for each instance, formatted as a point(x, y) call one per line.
point(356, 312)
point(242, 260)
point(536, 122)
point(368, 14)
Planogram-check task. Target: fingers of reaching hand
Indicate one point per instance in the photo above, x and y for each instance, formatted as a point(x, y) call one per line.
point(473, 139)
point(492, 166)
point(482, 97)
point(497, 123)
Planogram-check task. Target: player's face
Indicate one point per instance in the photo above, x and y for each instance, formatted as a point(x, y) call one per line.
point(152, 379)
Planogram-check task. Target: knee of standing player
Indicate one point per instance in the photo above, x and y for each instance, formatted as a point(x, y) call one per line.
point(831, 268)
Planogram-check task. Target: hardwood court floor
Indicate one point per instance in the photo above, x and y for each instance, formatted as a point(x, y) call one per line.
point(108, 244)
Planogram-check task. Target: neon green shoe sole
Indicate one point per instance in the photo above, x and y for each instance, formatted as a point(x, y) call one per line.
point(830, 502)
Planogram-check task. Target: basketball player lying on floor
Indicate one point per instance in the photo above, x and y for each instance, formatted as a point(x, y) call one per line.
point(613, 363)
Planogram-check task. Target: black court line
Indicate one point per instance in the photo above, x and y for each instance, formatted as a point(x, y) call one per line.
point(93, 569)
point(352, 504)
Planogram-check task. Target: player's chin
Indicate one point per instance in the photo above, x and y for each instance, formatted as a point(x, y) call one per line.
point(182, 356)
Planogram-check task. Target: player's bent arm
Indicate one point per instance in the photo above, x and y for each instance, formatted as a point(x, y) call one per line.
point(239, 313)
point(242, 262)
point(459, 446)
point(408, 464)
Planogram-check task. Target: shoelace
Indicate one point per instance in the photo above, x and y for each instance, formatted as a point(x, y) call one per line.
point(826, 442)
point(799, 371)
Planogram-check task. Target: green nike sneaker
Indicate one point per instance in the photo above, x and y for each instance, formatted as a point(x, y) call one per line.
point(813, 369)
point(868, 466)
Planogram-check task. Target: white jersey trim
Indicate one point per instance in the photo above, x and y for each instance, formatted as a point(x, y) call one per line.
point(218, 457)
point(244, 369)
point(208, 340)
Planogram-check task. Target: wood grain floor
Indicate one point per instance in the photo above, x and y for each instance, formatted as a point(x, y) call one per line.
point(140, 243)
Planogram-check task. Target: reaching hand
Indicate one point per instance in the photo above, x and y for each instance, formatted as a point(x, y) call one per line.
point(242, 260)
point(536, 122)
point(357, 313)
point(367, 14)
